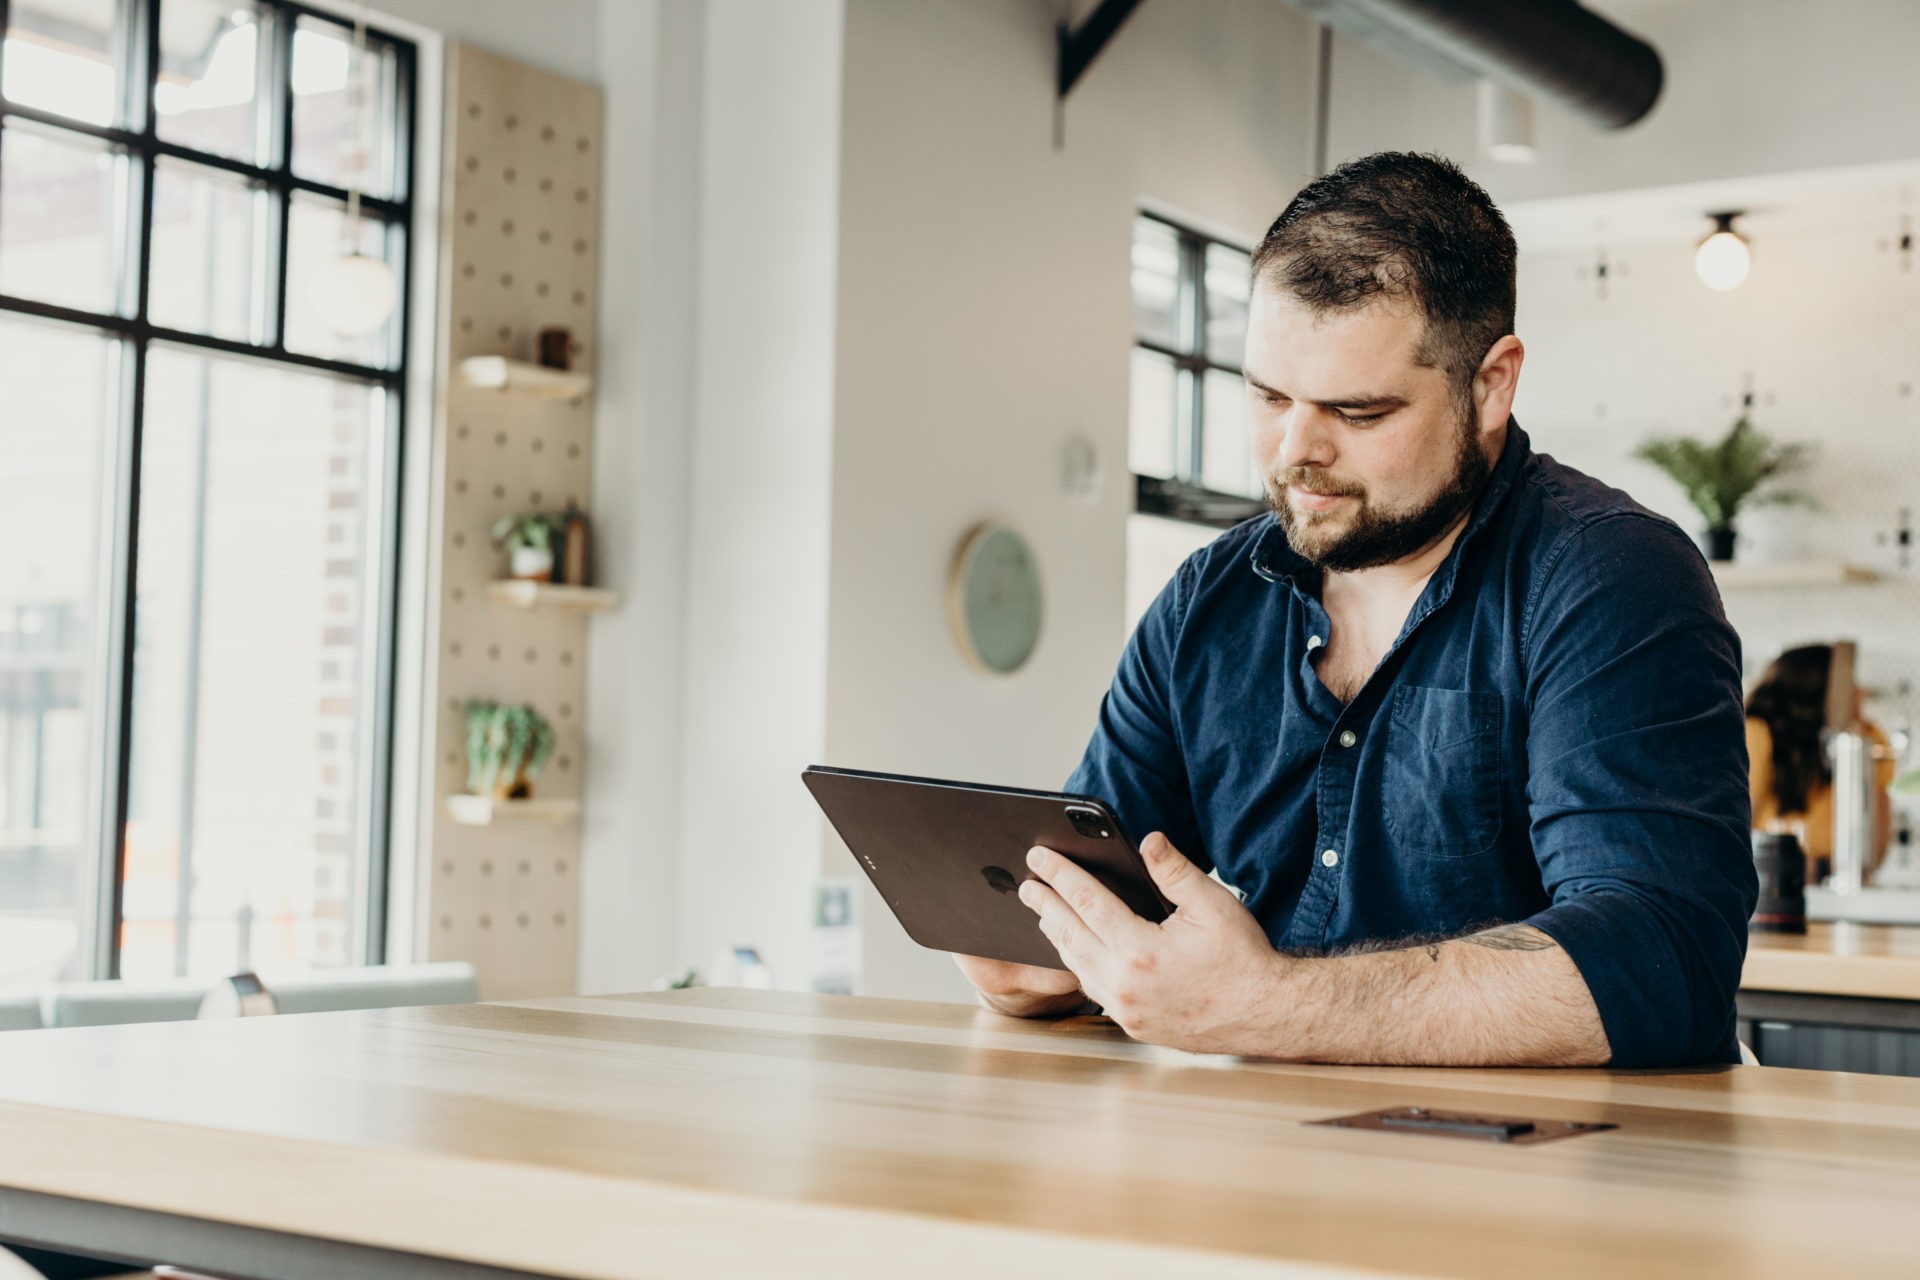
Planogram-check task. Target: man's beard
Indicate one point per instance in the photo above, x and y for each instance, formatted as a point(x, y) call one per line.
point(1375, 538)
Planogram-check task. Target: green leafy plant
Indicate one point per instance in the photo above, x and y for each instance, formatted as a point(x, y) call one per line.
point(679, 980)
point(533, 529)
point(508, 743)
point(1741, 469)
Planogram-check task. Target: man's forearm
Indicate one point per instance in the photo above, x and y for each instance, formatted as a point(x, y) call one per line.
point(1508, 996)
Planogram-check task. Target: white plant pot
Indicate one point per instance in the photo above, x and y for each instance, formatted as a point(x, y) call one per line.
point(533, 562)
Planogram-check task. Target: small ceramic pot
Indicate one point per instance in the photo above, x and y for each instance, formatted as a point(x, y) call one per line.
point(535, 563)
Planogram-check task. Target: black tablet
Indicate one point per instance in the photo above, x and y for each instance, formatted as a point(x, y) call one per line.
point(949, 857)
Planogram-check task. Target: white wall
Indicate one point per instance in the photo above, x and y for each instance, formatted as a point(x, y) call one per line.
point(754, 677)
point(854, 301)
point(884, 307)
point(1826, 327)
point(984, 318)
point(1803, 115)
point(559, 35)
point(653, 52)
point(1752, 86)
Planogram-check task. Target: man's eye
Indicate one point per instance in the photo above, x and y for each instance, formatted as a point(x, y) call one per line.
point(1362, 421)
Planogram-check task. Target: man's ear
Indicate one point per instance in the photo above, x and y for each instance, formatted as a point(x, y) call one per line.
point(1495, 383)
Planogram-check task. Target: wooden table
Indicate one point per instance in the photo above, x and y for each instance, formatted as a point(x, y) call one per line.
point(1869, 961)
point(734, 1133)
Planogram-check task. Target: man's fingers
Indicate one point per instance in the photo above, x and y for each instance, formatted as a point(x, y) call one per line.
point(1008, 978)
point(1183, 883)
point(1078, 945)
point(1112, 920)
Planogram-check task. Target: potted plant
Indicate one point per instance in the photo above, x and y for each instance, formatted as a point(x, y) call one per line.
point(529, 538)
point(1741, 469)
point(508, 743)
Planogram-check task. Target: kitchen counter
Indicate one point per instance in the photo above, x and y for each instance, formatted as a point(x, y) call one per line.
point(1870, 961)
point(735, 1133)
point(1869, 906)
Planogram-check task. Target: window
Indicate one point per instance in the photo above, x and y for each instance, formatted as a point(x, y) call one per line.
point(1188, 418)
point(198, 499)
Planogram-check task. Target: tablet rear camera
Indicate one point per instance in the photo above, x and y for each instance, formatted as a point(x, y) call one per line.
point(1090, 823)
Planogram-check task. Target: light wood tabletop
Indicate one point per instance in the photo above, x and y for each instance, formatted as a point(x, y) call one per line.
point(735, 1133)
point(1876, 961)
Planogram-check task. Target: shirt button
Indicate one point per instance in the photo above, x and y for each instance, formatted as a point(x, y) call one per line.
point(1348, 737)
point(1330, 857)
point(1314, 642)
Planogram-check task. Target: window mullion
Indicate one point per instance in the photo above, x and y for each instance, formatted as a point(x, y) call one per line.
point(5, 15)
point(142, 355)
point(378, 832)
point(114, 801)
point(143, 69)
point(139, 69)
point(1193, 297)
point(136, 48)
point(282, 161)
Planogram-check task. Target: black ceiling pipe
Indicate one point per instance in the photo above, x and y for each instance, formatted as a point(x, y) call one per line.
point(1556, 50)
point(1079, 48)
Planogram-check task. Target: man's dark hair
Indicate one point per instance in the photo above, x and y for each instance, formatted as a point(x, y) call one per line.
point(1397, 224)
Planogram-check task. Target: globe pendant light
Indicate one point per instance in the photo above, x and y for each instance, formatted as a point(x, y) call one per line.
point(1723, 258)
point(355, 293)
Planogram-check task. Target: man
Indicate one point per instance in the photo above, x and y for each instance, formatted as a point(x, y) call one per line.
point(1462, 723)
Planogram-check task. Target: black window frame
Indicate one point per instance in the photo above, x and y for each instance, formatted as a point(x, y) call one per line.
point(1182, 497)
point(139, 71)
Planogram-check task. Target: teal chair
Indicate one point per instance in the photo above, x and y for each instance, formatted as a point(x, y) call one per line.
point(97, 1004)
point(105, 1004)
point(393, 986)
point(19, 1013)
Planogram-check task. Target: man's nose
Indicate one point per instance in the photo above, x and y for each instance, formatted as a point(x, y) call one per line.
point(1305, 440)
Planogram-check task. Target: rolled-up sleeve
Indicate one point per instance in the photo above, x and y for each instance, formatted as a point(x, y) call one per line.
point(1637, 786)
point(1134, 761)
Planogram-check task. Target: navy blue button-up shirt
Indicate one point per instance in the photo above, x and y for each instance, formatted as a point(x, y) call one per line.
point(1555, 737)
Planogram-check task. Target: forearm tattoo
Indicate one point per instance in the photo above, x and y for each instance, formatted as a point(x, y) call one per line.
point(1511, 937)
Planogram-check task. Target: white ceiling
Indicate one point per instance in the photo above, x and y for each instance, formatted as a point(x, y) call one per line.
point(1679, 213)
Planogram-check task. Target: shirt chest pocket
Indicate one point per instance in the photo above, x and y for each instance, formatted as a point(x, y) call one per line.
point(1442, 771)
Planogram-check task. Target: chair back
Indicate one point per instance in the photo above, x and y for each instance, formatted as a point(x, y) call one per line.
point(103, 1004)
point(19, 1013)
point(389, 986)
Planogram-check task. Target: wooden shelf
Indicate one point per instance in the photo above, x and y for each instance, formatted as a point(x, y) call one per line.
point(525, 593)
point(1790, 573)
point(517, 377)
point(485, 811)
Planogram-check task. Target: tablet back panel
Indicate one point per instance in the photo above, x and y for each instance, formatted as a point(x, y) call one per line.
point(948, 857)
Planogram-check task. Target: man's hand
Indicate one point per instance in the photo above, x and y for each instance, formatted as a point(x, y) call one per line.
point(1208, 981)
point(1205, 980)
point(1022, 990)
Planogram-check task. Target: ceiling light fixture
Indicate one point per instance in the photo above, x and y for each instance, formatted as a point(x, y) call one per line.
point(1723, 258)
point(356, 293)
point(1506, 124)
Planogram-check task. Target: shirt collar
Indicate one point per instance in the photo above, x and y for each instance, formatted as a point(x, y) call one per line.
point(1273, 559)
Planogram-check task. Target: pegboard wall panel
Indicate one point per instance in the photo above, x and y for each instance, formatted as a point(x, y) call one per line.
point(519, 253)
